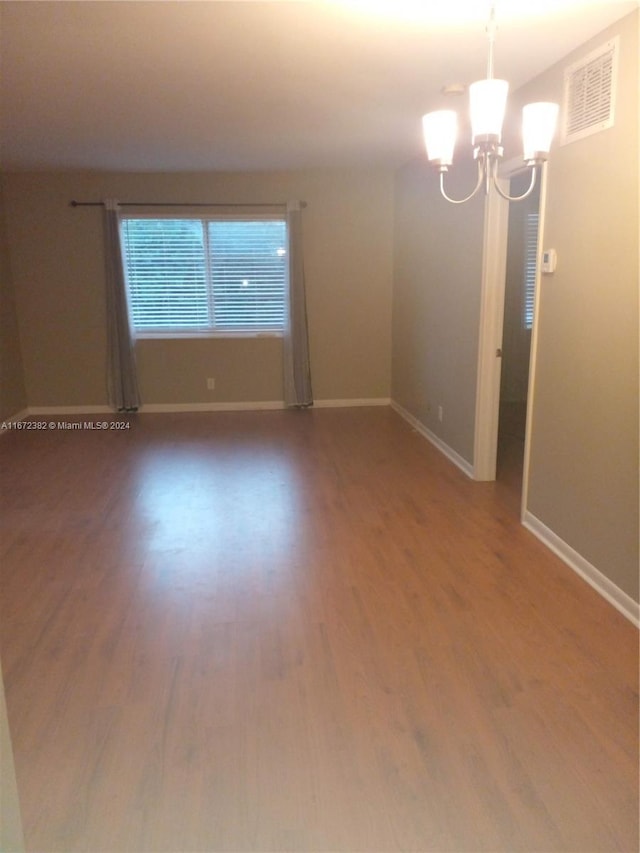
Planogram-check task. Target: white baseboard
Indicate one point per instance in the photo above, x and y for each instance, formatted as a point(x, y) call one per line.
point(156, 408)
point(261, 405)
point(252, 406)
point(449, 452)
point(69, 410)
point(351, 404)
point(257, 406)
point(594, 577)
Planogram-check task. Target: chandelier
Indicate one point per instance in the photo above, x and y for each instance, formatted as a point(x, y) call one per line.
point(487, 103)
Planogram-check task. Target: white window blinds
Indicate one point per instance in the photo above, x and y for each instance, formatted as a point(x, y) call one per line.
point(248, 267)
point(187, 275)
point(530, 268)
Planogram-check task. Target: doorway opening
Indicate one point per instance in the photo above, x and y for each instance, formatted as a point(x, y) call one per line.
point(519, 302)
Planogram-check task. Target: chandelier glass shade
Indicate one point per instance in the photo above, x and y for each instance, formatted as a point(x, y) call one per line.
point(487, 106)
point(538, 126)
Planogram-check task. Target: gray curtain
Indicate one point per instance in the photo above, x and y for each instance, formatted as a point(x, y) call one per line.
point(297, 369)
point(122, 379)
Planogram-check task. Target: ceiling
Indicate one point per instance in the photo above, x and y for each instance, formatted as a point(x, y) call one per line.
point(245, 85)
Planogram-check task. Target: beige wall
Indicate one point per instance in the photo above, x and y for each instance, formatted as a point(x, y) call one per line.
point(436, 303)
point(13, 398)
point(57, 259)
point(584, 452)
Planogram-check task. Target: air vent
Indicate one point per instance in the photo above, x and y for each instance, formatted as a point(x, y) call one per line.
point(589, 93)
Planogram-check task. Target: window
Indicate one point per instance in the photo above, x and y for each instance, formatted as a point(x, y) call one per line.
point(205, 275)
point(530, 268)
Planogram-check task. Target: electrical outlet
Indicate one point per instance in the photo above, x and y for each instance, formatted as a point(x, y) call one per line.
point(211, 383)
point(440, 413)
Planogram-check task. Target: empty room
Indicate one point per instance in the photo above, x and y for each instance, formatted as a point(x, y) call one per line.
point(319, 426)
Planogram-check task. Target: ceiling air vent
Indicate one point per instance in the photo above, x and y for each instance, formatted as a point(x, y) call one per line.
point(589, 93)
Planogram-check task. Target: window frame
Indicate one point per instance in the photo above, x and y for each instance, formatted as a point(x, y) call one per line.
point(212, 331)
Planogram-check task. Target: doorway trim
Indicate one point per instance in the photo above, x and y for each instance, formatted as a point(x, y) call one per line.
point(533, 357)
point(494, 265)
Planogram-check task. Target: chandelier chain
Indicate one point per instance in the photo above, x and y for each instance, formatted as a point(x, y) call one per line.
point(491, 36)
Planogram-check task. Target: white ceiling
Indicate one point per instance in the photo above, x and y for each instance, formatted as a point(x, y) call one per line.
point(244, 85)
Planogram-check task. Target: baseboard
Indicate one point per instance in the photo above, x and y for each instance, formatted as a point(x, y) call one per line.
point(351, 403)
point(256, 406)
point(449, 452)
point(252, 406)
point(594, 577)
point(19, 416)
point(69, 410)
point(153, 408)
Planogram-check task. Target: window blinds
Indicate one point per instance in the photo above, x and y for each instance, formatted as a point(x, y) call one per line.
point(190, 275)
point(530, 268)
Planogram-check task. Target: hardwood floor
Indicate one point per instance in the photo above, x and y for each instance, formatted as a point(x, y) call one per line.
point(297, 631)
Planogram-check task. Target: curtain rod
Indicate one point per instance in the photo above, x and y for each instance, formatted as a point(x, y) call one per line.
point(75, 203)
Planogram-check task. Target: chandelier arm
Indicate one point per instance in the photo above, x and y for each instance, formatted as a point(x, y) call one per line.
point(524, 195)
point(471, 195)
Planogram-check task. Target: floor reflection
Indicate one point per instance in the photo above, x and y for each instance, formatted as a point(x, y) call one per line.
point(207, 504)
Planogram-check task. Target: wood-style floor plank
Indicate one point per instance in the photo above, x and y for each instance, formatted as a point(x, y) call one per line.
point(300, 631)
